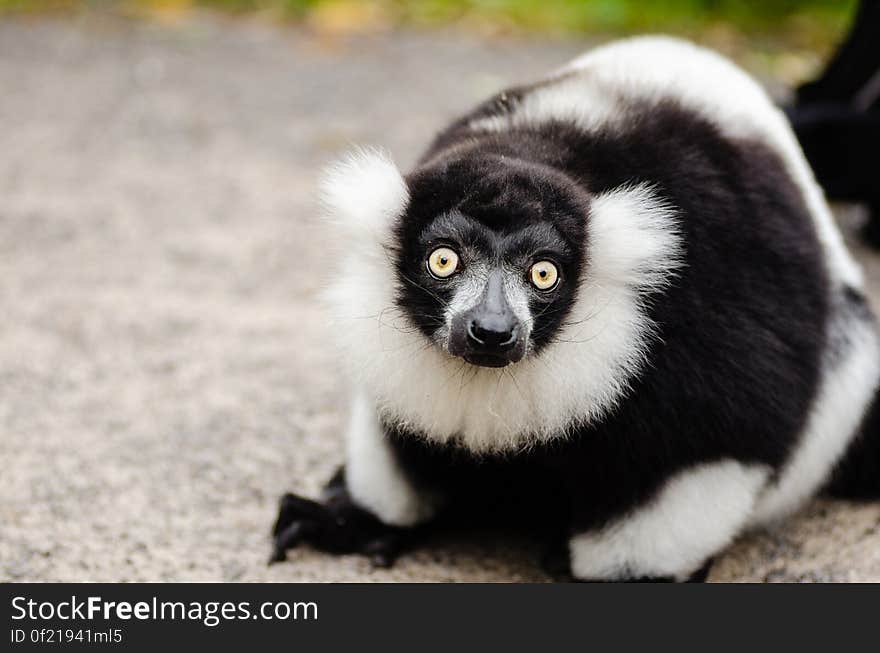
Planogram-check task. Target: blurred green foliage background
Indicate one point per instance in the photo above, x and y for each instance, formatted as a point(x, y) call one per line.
point(806, 18)
point(787, 41)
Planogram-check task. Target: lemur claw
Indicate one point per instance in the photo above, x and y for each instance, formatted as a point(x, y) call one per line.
point(336, 526)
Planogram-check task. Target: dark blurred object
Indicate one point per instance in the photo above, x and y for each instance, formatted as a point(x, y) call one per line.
point(837, 119)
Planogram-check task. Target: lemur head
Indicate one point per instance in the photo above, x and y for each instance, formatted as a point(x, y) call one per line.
point(482, 261)
point(489, 256)
point(485, 252)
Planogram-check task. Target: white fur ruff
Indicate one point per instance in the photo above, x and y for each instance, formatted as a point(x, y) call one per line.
point(635, 247)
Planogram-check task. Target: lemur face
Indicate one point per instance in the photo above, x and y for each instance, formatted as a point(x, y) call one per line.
point(490, 258)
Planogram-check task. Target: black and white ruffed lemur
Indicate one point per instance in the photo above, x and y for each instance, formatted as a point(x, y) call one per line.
point(613, 303)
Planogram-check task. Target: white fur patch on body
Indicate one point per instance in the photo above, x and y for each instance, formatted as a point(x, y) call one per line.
point(374, 477)
point(696, 514)
point(635, 248)
point(849, 382)
point(598, 90)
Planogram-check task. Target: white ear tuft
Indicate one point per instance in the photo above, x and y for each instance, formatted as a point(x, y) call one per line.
point(364, 192)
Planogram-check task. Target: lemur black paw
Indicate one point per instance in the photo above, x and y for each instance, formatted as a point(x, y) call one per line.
point(335, 525)
point(556, 562)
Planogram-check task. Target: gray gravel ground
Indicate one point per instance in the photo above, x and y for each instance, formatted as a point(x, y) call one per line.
point(163, 376)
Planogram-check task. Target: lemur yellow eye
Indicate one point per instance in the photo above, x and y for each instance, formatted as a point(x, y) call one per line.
point(442, 262)
point(544, 275)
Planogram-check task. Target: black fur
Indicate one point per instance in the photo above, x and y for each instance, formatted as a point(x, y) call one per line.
point(837, 118)
point(857, 475)
point(742, 327)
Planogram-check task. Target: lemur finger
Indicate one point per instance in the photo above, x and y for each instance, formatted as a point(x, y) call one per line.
point(293, 507)
point(288, 538)
point(335, 489)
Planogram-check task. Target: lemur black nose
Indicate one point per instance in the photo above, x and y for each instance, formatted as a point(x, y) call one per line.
point(489, 334)
point(492, 335)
